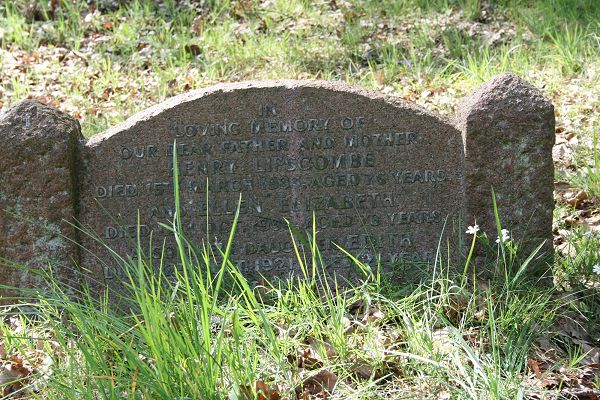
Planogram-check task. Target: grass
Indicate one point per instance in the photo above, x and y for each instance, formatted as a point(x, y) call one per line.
point(588, 177)
point(146, 51)
point(207, 334)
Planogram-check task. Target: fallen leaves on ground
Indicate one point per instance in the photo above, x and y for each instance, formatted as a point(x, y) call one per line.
point(317, 386)
point(262, 391)
point(14, 373)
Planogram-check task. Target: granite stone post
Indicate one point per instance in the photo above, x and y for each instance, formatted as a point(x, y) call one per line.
point(508, 132)
point(38, 191)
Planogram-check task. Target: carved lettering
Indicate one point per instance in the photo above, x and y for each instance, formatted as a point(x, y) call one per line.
point(149, 151)
point(367, 173)
point(420, 176)
point(348, 123)
point(187, 150)
point(290, 126)
point(198, 167)
point(127, 231)
point(254, 146)
point(314, 163)
point(111, 191)
point(180, 129)
point(381, 139)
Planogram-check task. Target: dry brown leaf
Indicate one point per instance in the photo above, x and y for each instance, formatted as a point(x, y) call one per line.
point(309, 359)
point(549, 381)
point(320, 385)
point(575, 200)
point(319, 345)
point(535, 367)
point(197, 24)
point(13, 373)
point(246, 392)
point(10, 374)
point(107, 94)
point(571, 329)
point(569, 136)
point(264, 392)
point(141, 45)
point(356, 308)
point(27, 58)
point(242, 7)
point(374, 315)
point(192, 49)
point(363, 371)
point(480, 314)
point(305, 395)
point(592, 355)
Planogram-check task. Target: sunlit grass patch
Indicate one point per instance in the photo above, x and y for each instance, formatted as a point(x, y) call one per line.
point(445, 336)
point(196, 337)
point(205, 332)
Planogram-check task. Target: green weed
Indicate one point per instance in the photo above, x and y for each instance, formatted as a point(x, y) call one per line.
point(204, 332)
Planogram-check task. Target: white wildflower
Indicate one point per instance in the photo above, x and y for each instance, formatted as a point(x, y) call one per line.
point(472, 230)
point(596, 269)
point(505, 235)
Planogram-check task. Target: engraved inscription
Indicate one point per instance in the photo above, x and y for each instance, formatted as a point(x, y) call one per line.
point(369, 175)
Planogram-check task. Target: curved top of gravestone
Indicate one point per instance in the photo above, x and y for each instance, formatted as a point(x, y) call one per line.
point(294, 87)
point(373, 170)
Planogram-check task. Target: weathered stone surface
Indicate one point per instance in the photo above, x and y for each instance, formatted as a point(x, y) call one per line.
point(383, 178)
point(381, 175)
point(508, 129)
point(37, 192)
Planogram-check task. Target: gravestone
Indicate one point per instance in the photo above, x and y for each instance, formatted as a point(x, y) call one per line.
point(379, 177)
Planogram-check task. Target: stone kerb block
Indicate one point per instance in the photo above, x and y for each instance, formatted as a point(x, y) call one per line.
point(38, 192)
point(382, 177)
